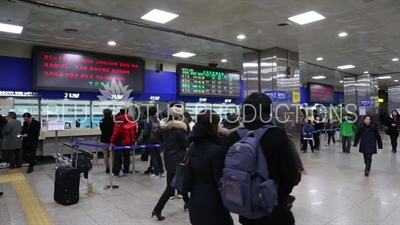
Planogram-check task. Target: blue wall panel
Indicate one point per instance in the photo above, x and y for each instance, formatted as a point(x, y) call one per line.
point(15, 73)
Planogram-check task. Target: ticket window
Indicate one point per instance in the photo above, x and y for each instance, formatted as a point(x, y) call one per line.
point(195, 108)
point(75, 113)
point(20, 106)
point(224, 108)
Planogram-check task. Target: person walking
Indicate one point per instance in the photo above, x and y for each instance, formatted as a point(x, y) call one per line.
point(175, 142)
point(106, 128)
point(318, 126)
point(30, 134)
point(393, 129)
point(347, 128)
point(206, 161)
point(369, 137)
point(11, 143)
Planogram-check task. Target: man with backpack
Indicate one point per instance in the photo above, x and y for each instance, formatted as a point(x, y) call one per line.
point(152, 136)
point(124, 134)
point(258, 188)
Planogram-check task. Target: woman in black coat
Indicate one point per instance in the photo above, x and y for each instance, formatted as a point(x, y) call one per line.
point(206, 161)
point(392, 129)
point(368, 135)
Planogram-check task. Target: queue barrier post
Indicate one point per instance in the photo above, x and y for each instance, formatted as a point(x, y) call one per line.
point(111, 186)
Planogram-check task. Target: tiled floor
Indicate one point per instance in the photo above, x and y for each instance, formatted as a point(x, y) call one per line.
point(334, 192)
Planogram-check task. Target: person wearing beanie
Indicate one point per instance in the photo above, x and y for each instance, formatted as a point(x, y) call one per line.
point(175, 142)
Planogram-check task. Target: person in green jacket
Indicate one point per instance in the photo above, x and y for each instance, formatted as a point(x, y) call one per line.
point(347, 128)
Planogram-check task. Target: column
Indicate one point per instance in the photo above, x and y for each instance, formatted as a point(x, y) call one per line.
point(394, 98)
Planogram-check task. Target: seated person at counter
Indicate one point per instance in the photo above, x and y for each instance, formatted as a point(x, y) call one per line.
point(30, 134)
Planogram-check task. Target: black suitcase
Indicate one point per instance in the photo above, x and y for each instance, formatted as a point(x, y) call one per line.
point(66, 185)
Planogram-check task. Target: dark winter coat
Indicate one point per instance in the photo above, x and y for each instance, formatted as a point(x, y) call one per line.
point(206, 160)
point(368, 136)
point(282, 168)
point(392, 130)
point(175, 142)
point(107, 128)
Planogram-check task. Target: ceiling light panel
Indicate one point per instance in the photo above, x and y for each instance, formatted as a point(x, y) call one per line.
point(346, 67)
point(306, 18)
point(159, 16)
point(9, 28)
point(343, 34)
point(318, 77)
point(320, 58)
point(395, 59)
point(183, 54)
point(241, 36)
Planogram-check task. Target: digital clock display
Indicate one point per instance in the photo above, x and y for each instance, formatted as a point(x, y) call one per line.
point(56, 69)
point(205, 81)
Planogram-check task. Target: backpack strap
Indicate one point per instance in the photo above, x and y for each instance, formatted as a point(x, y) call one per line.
point(262, 165)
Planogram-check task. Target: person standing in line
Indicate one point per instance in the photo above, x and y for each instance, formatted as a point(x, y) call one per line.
point(189, 120)
point(152, 133)
point(308, 131)
point(175, 142)
point(318, 126)
point(347, 128)
point(368, 135)
point(11, 143)
point(206, 162)
point(30, 134)
point(106, 128)
point(393, 129)
point(3, 160)
point(331, 133)
point(303, 122)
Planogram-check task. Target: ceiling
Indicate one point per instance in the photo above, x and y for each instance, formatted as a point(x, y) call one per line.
point(373, 29)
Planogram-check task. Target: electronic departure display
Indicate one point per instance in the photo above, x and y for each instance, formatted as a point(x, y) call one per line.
point(208, 82)
point(320, 93)
point(56, 69)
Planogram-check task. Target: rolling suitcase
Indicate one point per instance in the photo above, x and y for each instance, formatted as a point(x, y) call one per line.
point(66, 185)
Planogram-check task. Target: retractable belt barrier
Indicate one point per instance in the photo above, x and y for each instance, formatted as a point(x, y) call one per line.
point(90, 138)
point(76, 150)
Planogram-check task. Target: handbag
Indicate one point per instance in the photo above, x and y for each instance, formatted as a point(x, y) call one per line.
point(182, 181)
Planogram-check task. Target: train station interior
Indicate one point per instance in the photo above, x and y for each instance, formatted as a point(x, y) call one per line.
point(67, 65)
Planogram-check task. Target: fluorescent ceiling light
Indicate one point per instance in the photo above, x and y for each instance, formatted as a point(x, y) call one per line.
point(241, 36)
point(395, 59)
point(10, 28)
point(396, 80)
point(112, 43)
point(159, 16)
point(256, 64)
point(318, 77)
point(343, 34)
point(341, 81)
point(366, 72)
point(384, 77)
point(224, 60)
point(307, 17)
point(183, 54)
point(346, 67)
point(320, 58)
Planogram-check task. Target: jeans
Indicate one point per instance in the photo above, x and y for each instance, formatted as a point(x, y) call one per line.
point(14, 158)
point(117, 161)
point(346, 143)
point(368, 161)
point(168, 192)
point(331, 136)
point(393, 140)
point(316, 140)
point(156, 161)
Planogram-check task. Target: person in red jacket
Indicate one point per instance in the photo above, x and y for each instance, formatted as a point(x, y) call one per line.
point(124, 134)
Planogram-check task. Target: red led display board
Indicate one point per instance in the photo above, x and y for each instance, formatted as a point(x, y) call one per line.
point(320, 93)
point(56, 69)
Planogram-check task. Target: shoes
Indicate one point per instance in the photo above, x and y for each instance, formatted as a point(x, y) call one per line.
point(30, 170)
point(186, 206)
point(312, 151)
point(172, 198)
point(394, 150)
point(180, 196)
point(120, 176)
point(107, 170)
point(366, 172)
point(148, 171)
point(162, 175)
point(158, 215)
point(1, 193)
point(155, 176)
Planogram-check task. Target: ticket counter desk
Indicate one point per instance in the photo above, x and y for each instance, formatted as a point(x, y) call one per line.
point(47, 140)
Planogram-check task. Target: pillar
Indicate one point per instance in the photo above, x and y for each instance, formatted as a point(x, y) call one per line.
point(394, 98)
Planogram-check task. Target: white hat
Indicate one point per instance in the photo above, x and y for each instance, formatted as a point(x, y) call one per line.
point(175, 111)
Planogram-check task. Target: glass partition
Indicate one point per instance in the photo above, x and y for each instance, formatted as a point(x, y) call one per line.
point(223, 108)
point(75, 113)
point(195, 108)
point(20, 106)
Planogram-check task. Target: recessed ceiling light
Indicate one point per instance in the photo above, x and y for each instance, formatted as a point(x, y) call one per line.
point(307, 17)
point(395, 59)
point(318, 77)
point(320, 58)
point(224, 60)
point(346, 67)
point(384, 77)
point(343, 34)
point(183, 54)
point(159, 16)
point(341, 81)
point(241, 36)
point(396, 80)
point(366, 72)
point(112, 43)
point(10, 28)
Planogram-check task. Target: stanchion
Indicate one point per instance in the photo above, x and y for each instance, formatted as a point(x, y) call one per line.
point(111, 186)
point(56, 159)
point(133, 159)
point(96, 155)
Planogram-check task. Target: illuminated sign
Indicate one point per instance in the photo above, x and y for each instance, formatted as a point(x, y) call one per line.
point(154, 98)
point(17, 94)
point(71, 95)
point(203, 81)
point(56, 69)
